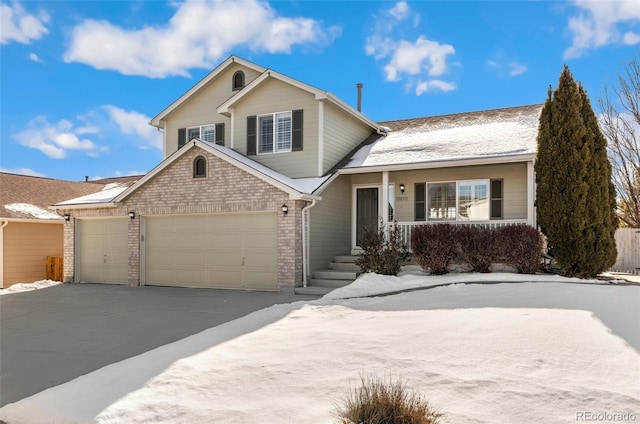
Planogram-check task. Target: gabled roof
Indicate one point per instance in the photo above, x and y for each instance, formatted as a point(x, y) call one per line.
point(155, 121)
point(25, 197)
point(319, 95)
point(297, 188)
point(497, 135)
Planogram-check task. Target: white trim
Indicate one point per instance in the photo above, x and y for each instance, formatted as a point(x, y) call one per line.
point(320, 138)
point(232, 131)
point(222, 153)
point(156, 121)
point(105, 205)
point(275, 133)
point(318, 95)
point(306, 242)
point(59, 221)
point(385, 202)
point(531, 195)
point(354, 209)
point(449, 163)
point(143, 250)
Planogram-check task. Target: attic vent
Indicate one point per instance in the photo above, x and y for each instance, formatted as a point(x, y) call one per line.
point(238, 81)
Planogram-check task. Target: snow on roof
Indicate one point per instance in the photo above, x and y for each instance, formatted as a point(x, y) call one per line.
point(106, 195)
point(500, 132)
point(32, 210)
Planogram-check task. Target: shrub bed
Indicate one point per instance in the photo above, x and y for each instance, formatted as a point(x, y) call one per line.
point(379, 255)
point(436, 246)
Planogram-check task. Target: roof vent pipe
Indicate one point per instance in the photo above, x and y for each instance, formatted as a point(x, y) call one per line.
point(359, 86)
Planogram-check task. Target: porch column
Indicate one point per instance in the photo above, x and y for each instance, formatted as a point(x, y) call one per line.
point(531, 195)
point(385, 203)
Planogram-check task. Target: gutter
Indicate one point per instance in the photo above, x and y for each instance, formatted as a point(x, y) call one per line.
point(3, 224)
point(305, 247)
point(84, 206)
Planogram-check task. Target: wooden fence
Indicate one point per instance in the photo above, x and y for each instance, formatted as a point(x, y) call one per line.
point(628, 244)
point(54, 268)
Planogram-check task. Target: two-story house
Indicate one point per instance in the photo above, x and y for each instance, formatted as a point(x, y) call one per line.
point(265, 180)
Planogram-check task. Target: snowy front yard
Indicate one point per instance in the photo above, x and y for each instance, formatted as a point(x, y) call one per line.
point(533, 351)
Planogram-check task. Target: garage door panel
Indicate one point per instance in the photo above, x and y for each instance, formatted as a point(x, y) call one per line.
point(218, 251)
point(102, 255)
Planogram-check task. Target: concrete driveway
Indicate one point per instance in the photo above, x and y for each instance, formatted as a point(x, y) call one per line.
point(53, 335)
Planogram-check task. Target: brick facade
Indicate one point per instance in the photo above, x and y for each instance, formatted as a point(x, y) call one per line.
point(226, 189)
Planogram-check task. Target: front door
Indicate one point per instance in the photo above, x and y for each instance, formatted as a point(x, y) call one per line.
point(366, 211)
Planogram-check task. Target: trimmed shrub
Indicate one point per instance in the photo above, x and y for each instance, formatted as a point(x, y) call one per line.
point(379, 255)
point(477, 246)
point(381, 402)
point(521, 247)
point(434, 246)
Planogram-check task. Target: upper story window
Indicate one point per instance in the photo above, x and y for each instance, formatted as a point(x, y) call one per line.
point(209, 133)
point(199, 167)
point(204, 132)
point(238, 81)
point(274, 132)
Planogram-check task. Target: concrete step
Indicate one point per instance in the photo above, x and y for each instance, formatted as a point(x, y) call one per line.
point(345, 258)
point(344, 266)
point(335, 275)
point(318, 282)
point(312, 290)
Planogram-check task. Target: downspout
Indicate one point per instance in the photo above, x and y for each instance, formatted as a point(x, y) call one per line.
point(4, 224)
point(305, 247)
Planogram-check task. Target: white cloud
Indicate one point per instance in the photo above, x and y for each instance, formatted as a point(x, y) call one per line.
point(419, 57)
point(34, 57)
point(600, 23)
point(516, 69)
point(17, 25)
point(135, 123)
point(407, 61)
point(197, 35)
point(54, 140)
point(434, 85)
point(503, 67)
point(23, 171)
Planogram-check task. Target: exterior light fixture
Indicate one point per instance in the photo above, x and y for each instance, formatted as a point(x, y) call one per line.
point(402, 188)
point(132, 215)
point(67, 217)
point(285, 209)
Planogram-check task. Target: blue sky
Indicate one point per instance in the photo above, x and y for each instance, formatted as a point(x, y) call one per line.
point(80, 80)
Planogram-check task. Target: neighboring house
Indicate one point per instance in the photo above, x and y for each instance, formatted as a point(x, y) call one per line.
point(29, 230)
point(266, 179)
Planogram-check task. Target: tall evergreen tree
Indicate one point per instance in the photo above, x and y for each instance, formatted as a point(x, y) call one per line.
point(575, 197)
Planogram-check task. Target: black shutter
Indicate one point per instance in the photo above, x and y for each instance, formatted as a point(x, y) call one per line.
point(420, 201)
point(251, 135)
point(296, 130)
point(220, 134)
point(496, 199)
point(182, 137)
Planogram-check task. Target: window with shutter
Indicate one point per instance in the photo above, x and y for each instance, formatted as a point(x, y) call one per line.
point(251, 135)
point(219, 136)
point(496, 199)
point(420, 201)
point(182, 137)
point(296, 131)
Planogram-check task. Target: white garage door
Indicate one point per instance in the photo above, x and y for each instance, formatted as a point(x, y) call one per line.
point(238, 251)
point(102, 250)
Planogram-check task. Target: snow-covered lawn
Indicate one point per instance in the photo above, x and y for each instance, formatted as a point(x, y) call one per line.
point(536, 351)
point(22, 287)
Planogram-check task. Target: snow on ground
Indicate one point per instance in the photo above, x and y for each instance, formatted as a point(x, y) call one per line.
point(22, 287)
point(543, 352)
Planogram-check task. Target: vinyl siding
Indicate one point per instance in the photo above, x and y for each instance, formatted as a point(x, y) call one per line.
point(200, 109)
point(514, 189)
point(26, 247)
point(276, 96)
point(342, 133)
point(330, 224)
